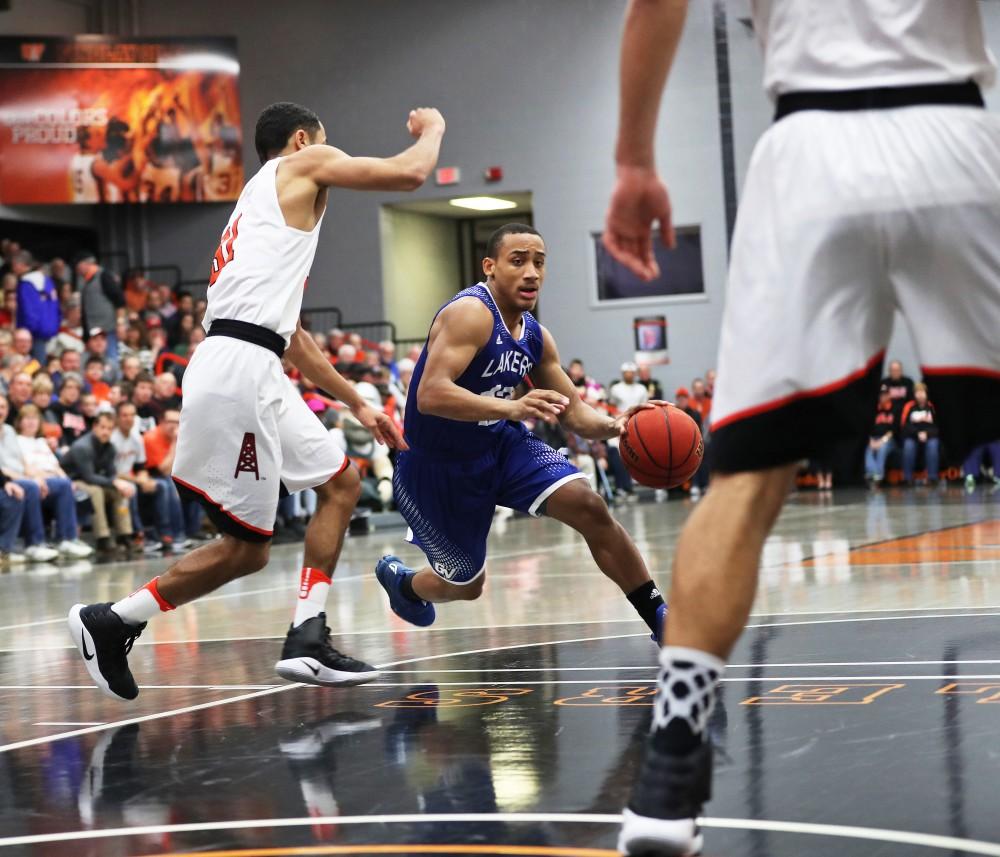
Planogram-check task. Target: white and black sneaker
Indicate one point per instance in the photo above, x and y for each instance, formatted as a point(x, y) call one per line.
point(661, 819)
point(104, 642)
point(307, 656)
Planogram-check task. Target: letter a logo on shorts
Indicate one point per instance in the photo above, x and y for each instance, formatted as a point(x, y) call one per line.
point(248, 457)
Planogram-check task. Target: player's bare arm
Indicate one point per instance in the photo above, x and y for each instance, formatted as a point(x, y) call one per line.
point(457, 335)
point(652, 30)
point(579, 417)
point(305, 355)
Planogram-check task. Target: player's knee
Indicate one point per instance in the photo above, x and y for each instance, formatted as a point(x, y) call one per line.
point(343, 489)
point(249, 557)
point(469, 591)
point(591, 512)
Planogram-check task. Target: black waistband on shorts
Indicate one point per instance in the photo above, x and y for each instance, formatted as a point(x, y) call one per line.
point(248, 332)
point(882, 98)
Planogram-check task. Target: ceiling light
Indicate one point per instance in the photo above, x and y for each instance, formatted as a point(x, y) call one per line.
point(482, 203)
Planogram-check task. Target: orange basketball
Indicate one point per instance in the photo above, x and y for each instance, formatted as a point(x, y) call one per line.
point(661, 447)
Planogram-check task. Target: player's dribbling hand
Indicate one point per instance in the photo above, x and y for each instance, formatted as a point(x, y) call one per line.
point(546, 405)
point(639, 199)
point(622, 419)
point(424, 119)
point(381, 426)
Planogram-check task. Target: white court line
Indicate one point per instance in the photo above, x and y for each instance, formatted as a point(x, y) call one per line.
point(626, 682)
point(803, 664)
point(875, 834)
point(44, 739)
point(142, 686)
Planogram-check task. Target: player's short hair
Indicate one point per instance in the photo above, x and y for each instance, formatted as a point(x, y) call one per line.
point(277, 123)
point(496, 239)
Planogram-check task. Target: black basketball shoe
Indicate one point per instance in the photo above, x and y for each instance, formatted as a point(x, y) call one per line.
point(661, 819)
point(307, 656)
point(104, 641)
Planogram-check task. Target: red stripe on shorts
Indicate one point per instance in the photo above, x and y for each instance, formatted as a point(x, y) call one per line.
point(978, 371)
point(201, 493)
point(825, 390)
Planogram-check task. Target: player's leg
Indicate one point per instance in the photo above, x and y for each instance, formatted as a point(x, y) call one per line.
point(809, 311)
point(576, 504)
point(228, 457)
point(449, 508)
point(311, 459)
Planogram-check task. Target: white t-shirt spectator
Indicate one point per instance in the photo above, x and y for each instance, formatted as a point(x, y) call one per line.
point(11, 457)
point(129, 451)
point(38, 455)
point(623, 396)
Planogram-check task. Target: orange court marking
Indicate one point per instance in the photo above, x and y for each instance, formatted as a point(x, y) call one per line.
point(969, 542)
point(525, 850)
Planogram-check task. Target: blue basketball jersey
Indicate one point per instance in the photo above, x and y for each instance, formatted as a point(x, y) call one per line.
point(499, 367)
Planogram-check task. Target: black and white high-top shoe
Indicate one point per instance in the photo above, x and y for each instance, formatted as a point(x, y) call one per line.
point(307, 656)
point(104, 642)
point(661, 819)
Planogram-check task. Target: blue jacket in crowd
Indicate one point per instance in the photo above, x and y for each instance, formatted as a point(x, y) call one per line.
point(38, 305)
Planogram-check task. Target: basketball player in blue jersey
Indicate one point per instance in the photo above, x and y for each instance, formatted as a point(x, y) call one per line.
point(469, 451)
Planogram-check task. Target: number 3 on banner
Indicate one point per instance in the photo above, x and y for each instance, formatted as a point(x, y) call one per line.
point(224, 255)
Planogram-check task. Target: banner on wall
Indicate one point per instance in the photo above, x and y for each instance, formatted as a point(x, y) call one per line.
point(91, 119)
point(651, 340)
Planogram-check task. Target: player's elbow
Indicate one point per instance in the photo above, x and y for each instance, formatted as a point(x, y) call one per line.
point(427, 399)
point(411, 178)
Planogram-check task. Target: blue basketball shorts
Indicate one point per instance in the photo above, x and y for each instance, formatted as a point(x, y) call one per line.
point(449, 504)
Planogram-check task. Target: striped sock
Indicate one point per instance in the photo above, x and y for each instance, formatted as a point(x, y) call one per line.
point(314, 586)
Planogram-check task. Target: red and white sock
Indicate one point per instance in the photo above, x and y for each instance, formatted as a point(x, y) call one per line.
point(142, 605)
point(314, 586)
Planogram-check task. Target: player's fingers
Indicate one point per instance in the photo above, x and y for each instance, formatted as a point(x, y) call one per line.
point(550, 396)
point(622, 250)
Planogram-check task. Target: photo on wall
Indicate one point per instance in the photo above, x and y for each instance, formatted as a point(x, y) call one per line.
point(651, 340)
point(680, 270)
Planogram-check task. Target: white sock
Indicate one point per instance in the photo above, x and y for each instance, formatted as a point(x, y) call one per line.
point(142, 605)
point(314, 586)
point(686, 691)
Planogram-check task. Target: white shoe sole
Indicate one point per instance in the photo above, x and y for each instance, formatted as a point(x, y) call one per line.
point(311, 671)
point(85, 646)
point(657, 836)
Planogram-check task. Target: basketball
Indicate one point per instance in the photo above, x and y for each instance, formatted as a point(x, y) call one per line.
point(661, 447)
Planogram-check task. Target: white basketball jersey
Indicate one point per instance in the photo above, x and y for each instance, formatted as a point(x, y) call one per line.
point(861, 44)
point(259, 271)
point(81, 170)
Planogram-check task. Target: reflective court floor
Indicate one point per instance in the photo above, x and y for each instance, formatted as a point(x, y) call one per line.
point(860, 716)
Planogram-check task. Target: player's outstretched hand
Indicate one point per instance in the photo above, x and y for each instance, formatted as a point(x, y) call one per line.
point(639, 199)
point(381, 426)
point(546, 405)
point(424, 119)
point(622, 419)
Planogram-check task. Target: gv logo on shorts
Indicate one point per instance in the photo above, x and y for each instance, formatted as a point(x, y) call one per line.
point(446, 573)
point(247, 462)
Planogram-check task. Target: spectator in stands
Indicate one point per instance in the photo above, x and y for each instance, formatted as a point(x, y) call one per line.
point(94, 377)
point(165, 392)
point(683, 400)
point(405, 368)
point(414, 353)
point(12, 465)
point(710, 382)
point(130, 459)
point(131, 368)
point(98, 345)
point(700, 400)
point(70, 334)
point(149, 413)
point(335, 337)
point(918, 426)
point(60, 272)
point(18, 394)
point(6, 343)
point(628, 392)
point(24, 347)
point(66, 412)
point(8, 309)
point(41, 466)
point(11, 511)
point(90, 462)
point(973, 467)
point(101, 296)
point(900, 387)
point(90, 407)
point(181, 336)
point(136, 292)
point(136, 347)
point(70, 363)
point(653, 388)
point(387, 357)
point(37, 302)
point(881, 441)
point(161, 447)
point(41, 395)
point(347, 355)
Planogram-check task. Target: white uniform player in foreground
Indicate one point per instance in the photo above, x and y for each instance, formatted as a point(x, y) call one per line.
point(877, 187)
point(245, 431)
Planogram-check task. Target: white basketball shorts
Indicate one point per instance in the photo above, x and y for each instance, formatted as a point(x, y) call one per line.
point(845, 217)
point(246, 432)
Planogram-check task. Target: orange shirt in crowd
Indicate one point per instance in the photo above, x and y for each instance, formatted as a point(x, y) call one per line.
point(101, 390)
point(157, 448)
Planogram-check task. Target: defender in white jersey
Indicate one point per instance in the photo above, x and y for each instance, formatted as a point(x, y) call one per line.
point(877, 187)
point(246, 434)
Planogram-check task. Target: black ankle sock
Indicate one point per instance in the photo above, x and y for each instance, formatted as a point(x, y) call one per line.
point(646, 599)
point(406, 587)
